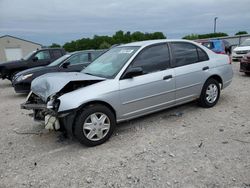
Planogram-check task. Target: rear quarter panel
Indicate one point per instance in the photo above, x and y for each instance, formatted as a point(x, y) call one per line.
point(219, 65)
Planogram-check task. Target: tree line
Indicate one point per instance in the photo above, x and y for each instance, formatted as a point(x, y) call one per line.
point(120, 37)
point(103, 42)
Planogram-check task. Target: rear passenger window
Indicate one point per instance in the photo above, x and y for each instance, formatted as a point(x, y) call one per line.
point(152, 59)
point(56, 53)
point(202, 55)
point(184, 53)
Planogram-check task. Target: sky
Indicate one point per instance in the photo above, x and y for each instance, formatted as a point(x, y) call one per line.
point(60, 21)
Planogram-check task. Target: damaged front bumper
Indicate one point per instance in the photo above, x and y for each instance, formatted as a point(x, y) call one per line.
point(47, 113)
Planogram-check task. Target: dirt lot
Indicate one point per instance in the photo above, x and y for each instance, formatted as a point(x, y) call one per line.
point(186, 146)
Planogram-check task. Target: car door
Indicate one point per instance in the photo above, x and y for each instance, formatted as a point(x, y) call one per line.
point(190, 64)
point(76, 63)
point(154, 89)
point(41, 58)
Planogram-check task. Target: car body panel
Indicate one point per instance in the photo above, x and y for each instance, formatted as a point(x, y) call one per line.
point(9, 69)
point(23, 86)
point(240, 51)
point(146, 92)
point(44, 86)
point(140, 95)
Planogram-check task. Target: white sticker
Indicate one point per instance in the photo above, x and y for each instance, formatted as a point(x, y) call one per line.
point(126, 51)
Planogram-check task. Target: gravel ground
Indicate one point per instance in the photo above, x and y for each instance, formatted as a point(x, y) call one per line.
point(186, 146)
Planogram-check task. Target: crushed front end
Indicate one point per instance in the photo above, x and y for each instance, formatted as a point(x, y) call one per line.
point(47, 112)
point(44, 111)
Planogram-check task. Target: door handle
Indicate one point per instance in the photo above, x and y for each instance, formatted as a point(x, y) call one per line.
point(205, 68)
point(167, 77)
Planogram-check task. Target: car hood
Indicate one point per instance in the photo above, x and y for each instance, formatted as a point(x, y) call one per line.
point(31, 71)
point(12, 63)
point(52, 83)
point(241, 48)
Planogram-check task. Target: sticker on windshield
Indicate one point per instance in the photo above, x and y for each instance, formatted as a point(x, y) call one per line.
point(126, 51)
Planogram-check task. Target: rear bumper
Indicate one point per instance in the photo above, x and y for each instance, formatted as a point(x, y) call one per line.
point(244, 67)
point(237, 57)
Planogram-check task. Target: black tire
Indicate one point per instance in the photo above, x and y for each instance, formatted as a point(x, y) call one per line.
point(247, 73)
point(84, 115)
point(203, 101)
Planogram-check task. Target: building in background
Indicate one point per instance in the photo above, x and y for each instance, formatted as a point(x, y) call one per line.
point(13, 48)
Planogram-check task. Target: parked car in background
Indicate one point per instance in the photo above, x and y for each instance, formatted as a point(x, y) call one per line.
point(126, 82)
point(217, 45)
point(241, 50)
point(71, 62)
point(245, 64)
point(34, 59)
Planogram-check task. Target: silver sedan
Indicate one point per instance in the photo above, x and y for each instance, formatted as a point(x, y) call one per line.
point(127, 82)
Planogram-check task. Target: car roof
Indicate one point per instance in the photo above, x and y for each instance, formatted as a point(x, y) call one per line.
point(86, 51)
point(151, 42)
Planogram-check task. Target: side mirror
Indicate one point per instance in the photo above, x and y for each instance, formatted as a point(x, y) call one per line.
point(132, 72)
point(65, 65)
point(35, 59)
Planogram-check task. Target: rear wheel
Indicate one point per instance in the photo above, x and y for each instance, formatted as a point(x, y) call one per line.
point(247, 73)
point(210, 93)
point(94, 125)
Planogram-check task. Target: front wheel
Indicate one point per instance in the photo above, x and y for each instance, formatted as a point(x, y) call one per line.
point(94, 125)
point(210, 93)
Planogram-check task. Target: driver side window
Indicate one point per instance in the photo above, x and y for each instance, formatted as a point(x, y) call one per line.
point(74, 60)
point(43, 55)
point(153, 59)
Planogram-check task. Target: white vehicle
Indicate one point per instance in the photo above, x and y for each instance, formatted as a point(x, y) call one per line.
point(241, 50)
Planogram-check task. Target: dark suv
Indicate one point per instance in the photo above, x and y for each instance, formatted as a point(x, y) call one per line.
point(34, 59)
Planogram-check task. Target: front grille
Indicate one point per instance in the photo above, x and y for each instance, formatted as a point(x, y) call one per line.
point(242, 52)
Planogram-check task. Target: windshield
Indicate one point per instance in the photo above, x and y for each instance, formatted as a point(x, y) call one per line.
point(59, 60)
point(245, 43)
point(111, 62)
point(28, 55)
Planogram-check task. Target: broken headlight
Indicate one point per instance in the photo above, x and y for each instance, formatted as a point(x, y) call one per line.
point(53, 103)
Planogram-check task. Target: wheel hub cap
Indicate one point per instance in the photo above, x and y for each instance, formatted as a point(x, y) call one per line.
point(211, 93)
point(96, 126)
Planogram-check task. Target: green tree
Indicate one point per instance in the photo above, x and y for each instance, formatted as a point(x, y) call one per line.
point(204, 36)
point(104, 45)
point(54, 45)
point(100, 42)
point(241, 33)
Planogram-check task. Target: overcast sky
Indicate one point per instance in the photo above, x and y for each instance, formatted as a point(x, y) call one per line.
point(60, 21)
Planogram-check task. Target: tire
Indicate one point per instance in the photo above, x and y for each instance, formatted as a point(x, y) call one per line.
point(247, 73)
point(89, 129)
point(206, 101)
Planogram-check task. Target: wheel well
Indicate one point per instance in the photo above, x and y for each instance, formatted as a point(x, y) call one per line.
point(87, 104)
point(218, 79)
point(99, 102)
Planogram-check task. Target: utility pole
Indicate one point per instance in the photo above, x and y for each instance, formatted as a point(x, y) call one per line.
point(215, 24)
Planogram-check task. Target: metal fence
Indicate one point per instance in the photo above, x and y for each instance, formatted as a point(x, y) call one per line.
point(234, 40)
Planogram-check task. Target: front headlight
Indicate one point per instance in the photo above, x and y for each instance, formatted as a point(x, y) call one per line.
point(23, 77)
